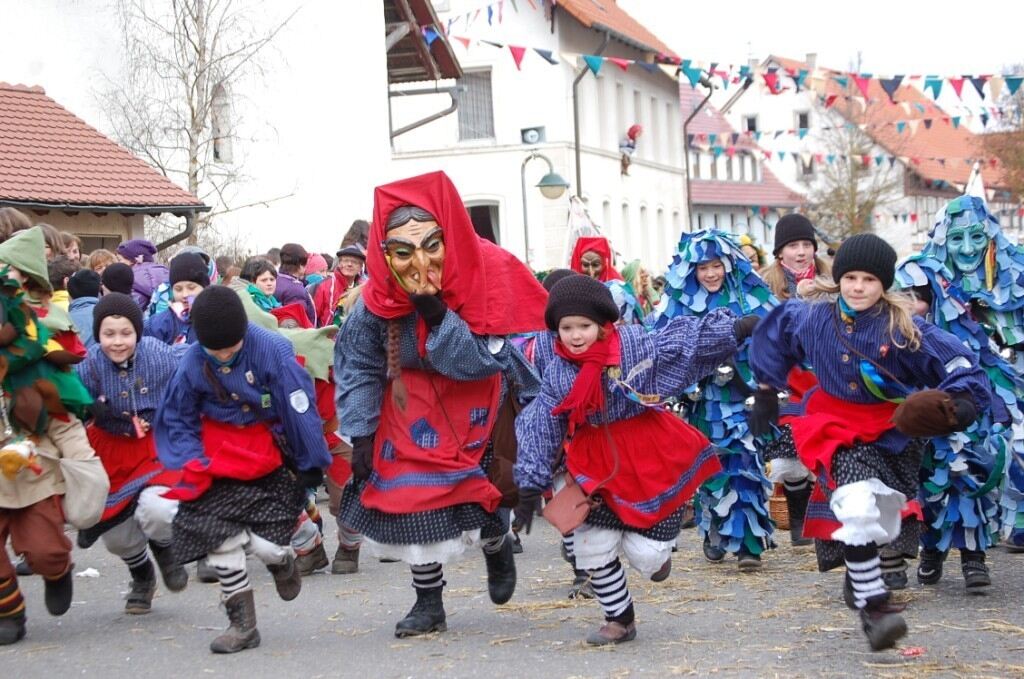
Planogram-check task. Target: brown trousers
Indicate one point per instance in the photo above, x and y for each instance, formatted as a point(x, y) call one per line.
point(37, 531)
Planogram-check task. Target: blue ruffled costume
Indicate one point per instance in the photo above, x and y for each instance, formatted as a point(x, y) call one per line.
point(973, 482)
point(732, 506)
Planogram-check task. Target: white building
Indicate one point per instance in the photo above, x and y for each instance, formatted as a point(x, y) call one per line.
point(927, 157)
point(481, 144)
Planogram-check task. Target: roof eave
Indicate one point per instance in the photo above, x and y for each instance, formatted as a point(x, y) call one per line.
point(177, 210)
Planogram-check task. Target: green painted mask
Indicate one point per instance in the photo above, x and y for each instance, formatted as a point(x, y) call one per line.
point(966, 245)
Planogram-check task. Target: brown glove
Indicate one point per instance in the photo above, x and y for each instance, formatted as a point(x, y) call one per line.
point(926, 413)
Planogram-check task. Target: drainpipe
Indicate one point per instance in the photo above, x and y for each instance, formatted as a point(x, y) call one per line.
point(576, 114)
point(190, 228)
point(450, 91)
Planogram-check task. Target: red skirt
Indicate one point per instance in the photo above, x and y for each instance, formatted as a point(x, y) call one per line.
point(662, 462)
point(132, 465)
point(243, 453)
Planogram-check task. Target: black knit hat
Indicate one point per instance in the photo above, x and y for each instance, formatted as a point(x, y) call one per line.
point(580, 296)
point(190, 266)
point(866, 252)
point(84, 283)
point(118, 278)
point(556, 275)
point(218, 317)
point(116, 304)
point(793, 227)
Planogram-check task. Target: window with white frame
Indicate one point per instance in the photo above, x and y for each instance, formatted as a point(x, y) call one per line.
point(750, 123)
point(803, 120)
point(476, 109)
point(695, 164)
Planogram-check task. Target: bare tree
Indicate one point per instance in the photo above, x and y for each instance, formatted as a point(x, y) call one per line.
point(172, 105)
point(1006, 141)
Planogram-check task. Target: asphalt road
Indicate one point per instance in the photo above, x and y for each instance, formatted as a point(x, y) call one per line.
point(706, 619)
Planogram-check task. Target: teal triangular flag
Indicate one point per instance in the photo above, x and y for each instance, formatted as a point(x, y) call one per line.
point(802, 132)
point(934, 84)
point(900, 126)
point(593, 63)
point(782, 154)
point(712, 137)
point(841, 80)
point(717, 150)
point(1013, 83)
point(956, 121)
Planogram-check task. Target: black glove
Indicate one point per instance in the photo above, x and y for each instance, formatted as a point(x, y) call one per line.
point(431, 309)
point(964, 410)
point(744, 327)
point(529, 504)
point(310, 478)
point(765, 412)
point(362, 457)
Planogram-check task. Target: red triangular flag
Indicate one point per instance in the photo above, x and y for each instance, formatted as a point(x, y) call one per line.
point(862, 83)
point(464, 41)
point(958, 85)
point(621, 63)
point(830, 99)
point(517, 55)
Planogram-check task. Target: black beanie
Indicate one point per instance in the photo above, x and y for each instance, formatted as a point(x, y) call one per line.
point(580, 296)
point(866, 252)
point(84, 283)
point(118, 278)
point(190, 266)
point(116, 304)
point(218, 317)
point(556, 275)
point(793, 227)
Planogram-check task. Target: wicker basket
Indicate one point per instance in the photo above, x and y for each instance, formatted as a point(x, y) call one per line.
point(778, 509)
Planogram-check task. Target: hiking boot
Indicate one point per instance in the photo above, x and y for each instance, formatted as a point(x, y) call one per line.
point(58, 593)
point(501, 572)
point(426, 616)
point(12, 629)
point(796, 504)
point(712, 553)
point(287, 578)
point(883, 625)
point(662, 573)
point(174, 575)
point(581, 587)
point(205, 572)
point(312, 562)
point(929, 570)
point(139, 599)
point(747, 561)
point(612, 633)
point(976, 575)
point(241, 633)
point(346, 561)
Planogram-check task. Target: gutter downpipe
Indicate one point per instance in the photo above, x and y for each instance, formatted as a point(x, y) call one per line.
point(576, 115)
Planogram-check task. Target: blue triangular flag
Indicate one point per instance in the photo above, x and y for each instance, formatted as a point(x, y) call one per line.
point(934, 84)
point(979, 84)
point(802, 132)
point(429, 34)
point(1013, 83)
point(546, 55)
point(890, 85)
point(593, 63)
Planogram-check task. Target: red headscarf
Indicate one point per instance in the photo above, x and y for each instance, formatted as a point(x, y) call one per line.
point(491, 290)
point(601, 246)
point(293, 311)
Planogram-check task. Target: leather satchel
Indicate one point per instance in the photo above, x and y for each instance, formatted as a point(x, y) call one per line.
point(569, 508)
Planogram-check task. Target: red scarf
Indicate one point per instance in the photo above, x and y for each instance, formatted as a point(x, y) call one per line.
point(587, 394)
point(807, 274)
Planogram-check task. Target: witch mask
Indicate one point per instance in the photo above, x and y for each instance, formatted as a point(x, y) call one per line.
point(592, 264)
point(966, 242)
point(414, 250)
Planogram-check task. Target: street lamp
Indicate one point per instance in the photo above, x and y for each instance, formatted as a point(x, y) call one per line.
point(551, 186)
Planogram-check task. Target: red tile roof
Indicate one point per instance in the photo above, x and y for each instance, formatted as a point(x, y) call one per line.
point(942, 140)
point(607, 15)
point(769, 192)
point(49, 156)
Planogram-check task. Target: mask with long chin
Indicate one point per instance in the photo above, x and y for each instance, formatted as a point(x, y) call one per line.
point(592, 264)
point(966, 243)
point(415, 255)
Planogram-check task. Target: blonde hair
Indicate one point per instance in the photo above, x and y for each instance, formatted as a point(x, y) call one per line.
point(775, 276)
point(98, 258)
point(899, 306)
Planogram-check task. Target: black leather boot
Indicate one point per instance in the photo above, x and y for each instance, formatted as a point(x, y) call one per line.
point(58, 593)
point(796, 503)
point(501, 572)
point(242, 632)
point(882, 624)
point(426, 616)
point(975, 571)
point(929, 569)
point(173, 573)
point(12, 629)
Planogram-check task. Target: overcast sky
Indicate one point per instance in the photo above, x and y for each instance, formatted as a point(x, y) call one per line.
point(941, 37)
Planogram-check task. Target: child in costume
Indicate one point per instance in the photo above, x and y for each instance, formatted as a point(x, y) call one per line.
point(40, 406)
point(973, 261)
point(707, 273)
point(422, 365)
point(127, 376)
point(189, 275)
point(885, 377)
point(634, 295)
point(239, 413)
point(603, 391)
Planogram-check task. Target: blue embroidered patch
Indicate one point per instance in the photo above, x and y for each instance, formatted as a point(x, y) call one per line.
point(478, 416)
point(423, 434)
point(387, 451)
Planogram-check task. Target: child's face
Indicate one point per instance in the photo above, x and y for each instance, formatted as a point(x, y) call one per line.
point(117, 338)
point(798, 255)
point(226, 354)
point(860, 290)
point(184, 289)
point(921, 307)
point(711, 275)
point(577, 333)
